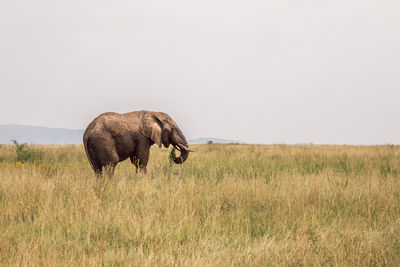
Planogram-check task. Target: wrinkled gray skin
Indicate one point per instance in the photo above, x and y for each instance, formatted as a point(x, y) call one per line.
point(112, 137)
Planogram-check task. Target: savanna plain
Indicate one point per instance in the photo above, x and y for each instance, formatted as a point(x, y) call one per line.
point(229, 205)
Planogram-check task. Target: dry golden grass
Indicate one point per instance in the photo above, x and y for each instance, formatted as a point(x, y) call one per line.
point(227, 205)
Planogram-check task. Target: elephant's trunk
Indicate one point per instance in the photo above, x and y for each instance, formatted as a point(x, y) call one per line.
point(181, 159)
point(180, 143)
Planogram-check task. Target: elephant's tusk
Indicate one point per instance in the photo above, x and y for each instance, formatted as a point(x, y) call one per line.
point(185, 148)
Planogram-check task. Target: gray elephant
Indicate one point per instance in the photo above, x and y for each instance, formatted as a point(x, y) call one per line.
point(112, 137)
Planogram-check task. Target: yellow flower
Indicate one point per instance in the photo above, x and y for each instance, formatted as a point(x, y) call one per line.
point(19, 164)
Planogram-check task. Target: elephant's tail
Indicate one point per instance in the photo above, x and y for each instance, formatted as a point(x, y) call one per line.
point(89, 150)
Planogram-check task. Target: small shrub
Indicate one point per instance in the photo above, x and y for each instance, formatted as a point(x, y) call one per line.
point(26, 153)
point(172, 156)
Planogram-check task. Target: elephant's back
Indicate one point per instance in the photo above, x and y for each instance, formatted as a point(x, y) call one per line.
point(98, 122)
point(105, 122)
point(113, 125)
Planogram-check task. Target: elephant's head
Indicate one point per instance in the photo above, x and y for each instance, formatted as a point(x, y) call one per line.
point(163, 130)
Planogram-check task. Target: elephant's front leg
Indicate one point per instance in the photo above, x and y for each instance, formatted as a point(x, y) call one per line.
point(141, 157)
point(135, 161)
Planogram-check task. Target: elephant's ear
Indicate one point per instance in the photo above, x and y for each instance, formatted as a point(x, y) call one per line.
point(152, 128)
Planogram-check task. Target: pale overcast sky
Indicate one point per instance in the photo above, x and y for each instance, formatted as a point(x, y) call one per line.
point(277, 71)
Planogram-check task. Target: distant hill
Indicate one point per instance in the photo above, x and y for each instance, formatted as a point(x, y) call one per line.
point(39, 135)
point(205, 140)
point(59, 136)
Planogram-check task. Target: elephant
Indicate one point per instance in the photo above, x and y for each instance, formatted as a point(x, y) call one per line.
point(112, 137)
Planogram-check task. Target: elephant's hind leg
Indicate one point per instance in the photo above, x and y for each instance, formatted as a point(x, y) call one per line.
point(109, 169)
point(108, 160)
point(98, 170)
point(93, 159)
point(96, 165)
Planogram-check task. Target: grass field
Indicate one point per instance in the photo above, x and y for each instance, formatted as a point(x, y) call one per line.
point(226, 205)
